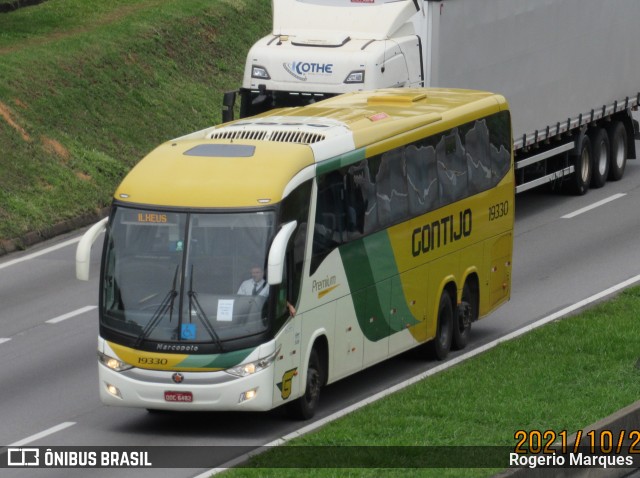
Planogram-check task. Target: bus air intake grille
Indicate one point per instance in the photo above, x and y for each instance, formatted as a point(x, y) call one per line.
point(244, 134)
point(278, 136)
point(300, 137)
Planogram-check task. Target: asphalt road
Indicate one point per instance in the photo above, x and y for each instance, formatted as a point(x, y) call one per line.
point(48, 332)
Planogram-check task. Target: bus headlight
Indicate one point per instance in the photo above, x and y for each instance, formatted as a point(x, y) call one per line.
point(250, 368)
point(113, 363)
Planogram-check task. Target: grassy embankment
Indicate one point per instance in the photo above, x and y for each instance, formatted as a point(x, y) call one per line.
point(88, 87)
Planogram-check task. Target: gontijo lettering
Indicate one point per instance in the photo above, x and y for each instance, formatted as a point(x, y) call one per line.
point(439, 233)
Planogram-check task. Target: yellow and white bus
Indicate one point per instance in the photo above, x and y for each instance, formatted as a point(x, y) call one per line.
point(381, 221)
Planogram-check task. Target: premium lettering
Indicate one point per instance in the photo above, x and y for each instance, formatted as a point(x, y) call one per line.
point(319, 285)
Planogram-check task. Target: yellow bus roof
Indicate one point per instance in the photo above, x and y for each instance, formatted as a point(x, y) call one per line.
point(184, 174)
point(250, 162)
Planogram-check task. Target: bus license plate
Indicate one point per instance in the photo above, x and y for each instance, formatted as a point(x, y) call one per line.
point(178, 397)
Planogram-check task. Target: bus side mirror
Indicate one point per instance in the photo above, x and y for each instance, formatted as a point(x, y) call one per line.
point(83, 251)
point(228, 103)
point(277, 253)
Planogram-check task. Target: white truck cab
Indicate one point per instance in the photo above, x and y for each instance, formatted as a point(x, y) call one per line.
point(357, 45)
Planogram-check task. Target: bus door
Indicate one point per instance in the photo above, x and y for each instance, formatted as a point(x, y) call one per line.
point(287, 365)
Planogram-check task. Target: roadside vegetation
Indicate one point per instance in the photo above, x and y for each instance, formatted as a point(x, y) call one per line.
point(566, 375)
point(88, 87)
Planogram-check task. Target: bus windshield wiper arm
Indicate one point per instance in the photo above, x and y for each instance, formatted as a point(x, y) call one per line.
point(200, 313)
point(165, 305)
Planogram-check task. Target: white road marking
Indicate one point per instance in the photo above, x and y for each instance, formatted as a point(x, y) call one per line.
point(39, 253)
point(71, 314)
point(42, 434)
point(593, 206)
point(450, 363)
point(4, 340)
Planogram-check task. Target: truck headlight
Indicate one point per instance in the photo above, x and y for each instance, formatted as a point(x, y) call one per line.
point(250, 368)
point(260, 72)
point(113, 363)
point(356, 76)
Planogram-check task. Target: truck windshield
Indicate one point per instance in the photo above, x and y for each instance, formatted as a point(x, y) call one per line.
point(179, 278)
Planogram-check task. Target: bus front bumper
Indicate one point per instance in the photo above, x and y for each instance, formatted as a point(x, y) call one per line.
point(156, 390)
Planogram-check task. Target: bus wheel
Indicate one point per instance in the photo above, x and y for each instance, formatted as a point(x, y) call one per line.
point(601, 153)
point(305, 407)
point(618, 143)
point(441, 344)
point(466, 313)
point(579, 182)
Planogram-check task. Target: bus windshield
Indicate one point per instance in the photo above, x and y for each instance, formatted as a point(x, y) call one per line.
point(180, 278)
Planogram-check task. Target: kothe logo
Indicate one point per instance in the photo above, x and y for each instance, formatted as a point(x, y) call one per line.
point(300, 70)
point(23, 457)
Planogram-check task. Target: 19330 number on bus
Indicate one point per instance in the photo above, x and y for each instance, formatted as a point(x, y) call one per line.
point(498, 210)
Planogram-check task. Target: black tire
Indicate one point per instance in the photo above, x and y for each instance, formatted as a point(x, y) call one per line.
point(306, 406)
point(601, 157)
point(578, 183)
point(441, 344)
point(466, 314)
point(618, 155)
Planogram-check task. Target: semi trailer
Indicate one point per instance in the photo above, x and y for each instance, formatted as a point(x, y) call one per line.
point(570, 70)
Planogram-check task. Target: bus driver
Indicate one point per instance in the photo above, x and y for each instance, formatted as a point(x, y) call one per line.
point(257, 285)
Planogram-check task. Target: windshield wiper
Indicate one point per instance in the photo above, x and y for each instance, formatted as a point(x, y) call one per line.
point(165, 305)
point(200, 313)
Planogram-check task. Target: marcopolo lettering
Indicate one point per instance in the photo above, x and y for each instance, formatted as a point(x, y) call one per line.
point(176, 348)
point(441, 232)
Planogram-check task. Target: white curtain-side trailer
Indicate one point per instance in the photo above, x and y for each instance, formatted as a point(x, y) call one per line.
point(570, 69)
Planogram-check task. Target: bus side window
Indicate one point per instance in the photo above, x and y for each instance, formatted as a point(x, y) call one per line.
point(500, 139)
point(477, 146)
point(296, 207)
point(452, 168)
point(422, 178)
point(329, 230)
point(364, 203)
point(391, 188)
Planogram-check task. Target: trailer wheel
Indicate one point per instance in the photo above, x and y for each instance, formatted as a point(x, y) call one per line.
point(618, 144)
point(601, 155)
point(579, 182)
point(466, 313)
point(439, 347)
point(306, 406)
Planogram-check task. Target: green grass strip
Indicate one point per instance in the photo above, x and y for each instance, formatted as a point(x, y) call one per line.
point(564, 376)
